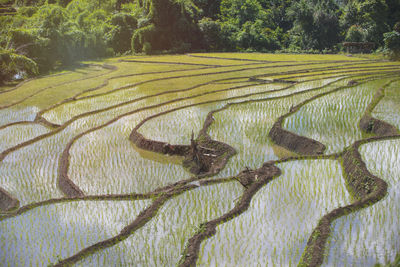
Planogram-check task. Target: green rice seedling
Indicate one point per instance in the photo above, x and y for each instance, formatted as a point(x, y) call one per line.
point(52, 81)
point(176, 127)
point(248, 126)
point(162, 240)
point(347, 68)
point(41, 236)
point(280, 57)
point(333, 118)
point(34, 179)
point(16, 114)
point(389, 107)
point(167, 80)
point(16, 134)
point(187, 59)
point(370, 235)
point(280, 218)
point(65, 112)
point(105, 161)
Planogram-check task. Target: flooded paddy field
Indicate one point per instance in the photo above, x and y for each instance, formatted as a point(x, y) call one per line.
point(219, 159)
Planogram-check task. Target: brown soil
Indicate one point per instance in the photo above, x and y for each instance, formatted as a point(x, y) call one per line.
point(207, 157)
point(296, 143)
point(7, 201)
point(379, 127)
point(44, 122)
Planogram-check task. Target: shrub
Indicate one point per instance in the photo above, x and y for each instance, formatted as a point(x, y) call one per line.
point(392, 44)
point(141, 36)
point(147, 48)
point(12, 64)
point(355, 34)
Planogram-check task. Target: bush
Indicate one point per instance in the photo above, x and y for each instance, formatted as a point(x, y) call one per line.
point(119, 36)
point(12, 64)
point(211, 32)
point(396, 27)
point(392, 44)
point(147, 48)
point(355, 34)
point(141, 36)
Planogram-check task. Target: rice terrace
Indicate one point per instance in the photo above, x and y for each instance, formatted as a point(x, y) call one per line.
point(203, 159)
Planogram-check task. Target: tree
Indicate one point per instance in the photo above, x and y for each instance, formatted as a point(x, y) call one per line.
point(166, 25)
point(374, 15)
point(122, 27)
point(12, 64)
point(392, 44)
point(315, 26)
point(355, 34)
point(209, 8)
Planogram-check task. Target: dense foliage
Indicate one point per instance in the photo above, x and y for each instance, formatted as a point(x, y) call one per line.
point(55, 33)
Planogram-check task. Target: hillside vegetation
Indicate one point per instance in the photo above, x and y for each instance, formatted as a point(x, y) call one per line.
point(39, 36)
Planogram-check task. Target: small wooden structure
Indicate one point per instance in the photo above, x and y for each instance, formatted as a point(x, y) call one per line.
point(359, 47)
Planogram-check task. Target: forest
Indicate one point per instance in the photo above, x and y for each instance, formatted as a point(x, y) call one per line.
point(38, 37)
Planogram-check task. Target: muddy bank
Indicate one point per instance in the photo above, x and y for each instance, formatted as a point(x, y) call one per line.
point(370, 124)
point(39, 119)
point(145, 216)
point(366, 188)
point(293, 142)
point(157, 146)
point(207, 157)
point(256, 179)
point(63, 182)
point(204, 157)
point(300, 144)
point(7, 201)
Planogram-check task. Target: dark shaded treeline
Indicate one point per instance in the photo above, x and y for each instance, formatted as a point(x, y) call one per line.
point(38, 36)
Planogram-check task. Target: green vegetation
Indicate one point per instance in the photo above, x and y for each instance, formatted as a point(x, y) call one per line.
point(41, 36)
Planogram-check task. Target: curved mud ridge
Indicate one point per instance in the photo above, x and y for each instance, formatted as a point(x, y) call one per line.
point(63, 182)
point(255, 180)
point(7, 201)
point(204, 157)
point(144, 217)
point(370, 124)
point(209, 164)
point(296, 143)
point(367, 189)
point(299, 144)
